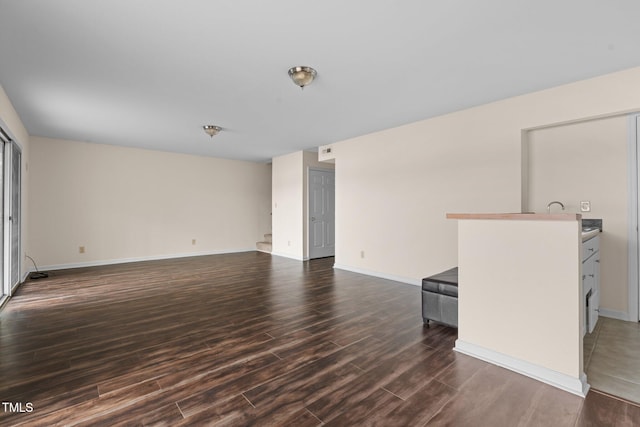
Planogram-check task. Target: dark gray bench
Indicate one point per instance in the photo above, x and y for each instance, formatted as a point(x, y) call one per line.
point(440, 298)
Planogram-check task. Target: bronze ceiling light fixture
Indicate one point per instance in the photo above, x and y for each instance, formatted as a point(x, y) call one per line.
point(302, 76)
point(212, 130)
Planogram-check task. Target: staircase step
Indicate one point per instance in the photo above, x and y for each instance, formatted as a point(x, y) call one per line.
point(264, 246)
point(268, 237)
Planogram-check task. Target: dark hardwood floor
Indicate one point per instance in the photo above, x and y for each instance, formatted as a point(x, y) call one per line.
point(251, 339)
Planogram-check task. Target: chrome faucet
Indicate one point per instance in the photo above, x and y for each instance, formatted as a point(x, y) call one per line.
point(555, 202)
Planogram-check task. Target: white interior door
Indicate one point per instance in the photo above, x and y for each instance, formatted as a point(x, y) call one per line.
point(321, 213)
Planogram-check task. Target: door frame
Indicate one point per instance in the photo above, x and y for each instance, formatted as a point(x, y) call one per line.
point(7, 144)
point(308, 211)
point(633, 222)
point(5, 286)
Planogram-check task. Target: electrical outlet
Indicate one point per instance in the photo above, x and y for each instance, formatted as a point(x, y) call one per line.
point(585, 206)
point(193, 241)
point(81, 249)
point(361, 254)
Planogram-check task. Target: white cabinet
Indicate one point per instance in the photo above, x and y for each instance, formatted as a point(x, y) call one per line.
point(590, 282)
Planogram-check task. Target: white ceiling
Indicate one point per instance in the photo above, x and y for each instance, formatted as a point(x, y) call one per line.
point(150, 73)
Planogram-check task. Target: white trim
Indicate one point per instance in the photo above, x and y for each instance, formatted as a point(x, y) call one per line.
point(15, 287)
point(5, 224)
point(6, 246)
point(11, 135)
point(402, 279)
point(557, 379)
point(297, 258)
point(138, 259)
point(5, 299)
point(524, 170)
point(632, 233)
point(614, 314)
point(10, 148)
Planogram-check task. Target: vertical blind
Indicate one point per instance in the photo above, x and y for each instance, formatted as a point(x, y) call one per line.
point(15, 213)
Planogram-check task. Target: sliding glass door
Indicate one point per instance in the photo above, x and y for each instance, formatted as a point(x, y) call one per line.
point(10, 213)
point(6, 287)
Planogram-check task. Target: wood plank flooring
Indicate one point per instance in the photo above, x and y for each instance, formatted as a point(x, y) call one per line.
point(612, 358)
point(254, 339)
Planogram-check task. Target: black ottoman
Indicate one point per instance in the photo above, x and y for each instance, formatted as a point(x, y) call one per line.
point(440, 298)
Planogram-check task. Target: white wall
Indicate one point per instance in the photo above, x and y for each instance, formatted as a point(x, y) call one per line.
point(287, 205)
point(264, 209)
point(290, 202)
point(394, 187)
point(11, 122)
point(124, 203)
point(588, 161)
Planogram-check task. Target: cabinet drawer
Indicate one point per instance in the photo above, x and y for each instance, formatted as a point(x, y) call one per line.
point(590, 247)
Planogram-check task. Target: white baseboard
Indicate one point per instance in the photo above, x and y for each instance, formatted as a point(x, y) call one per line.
point(137, 259)
point(410, 281)
point(614, 314)
point(297, 258)
point(562, 381)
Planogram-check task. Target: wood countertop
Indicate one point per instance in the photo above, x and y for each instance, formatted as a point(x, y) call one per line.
point(518, 216)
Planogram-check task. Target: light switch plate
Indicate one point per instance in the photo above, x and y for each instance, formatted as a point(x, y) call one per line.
point(585, 206)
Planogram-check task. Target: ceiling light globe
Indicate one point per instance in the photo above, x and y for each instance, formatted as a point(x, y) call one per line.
point(211, 130)
point(302, 76)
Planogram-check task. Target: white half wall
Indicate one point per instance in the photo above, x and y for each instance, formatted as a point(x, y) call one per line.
point(124, 203)
point(520, 297)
